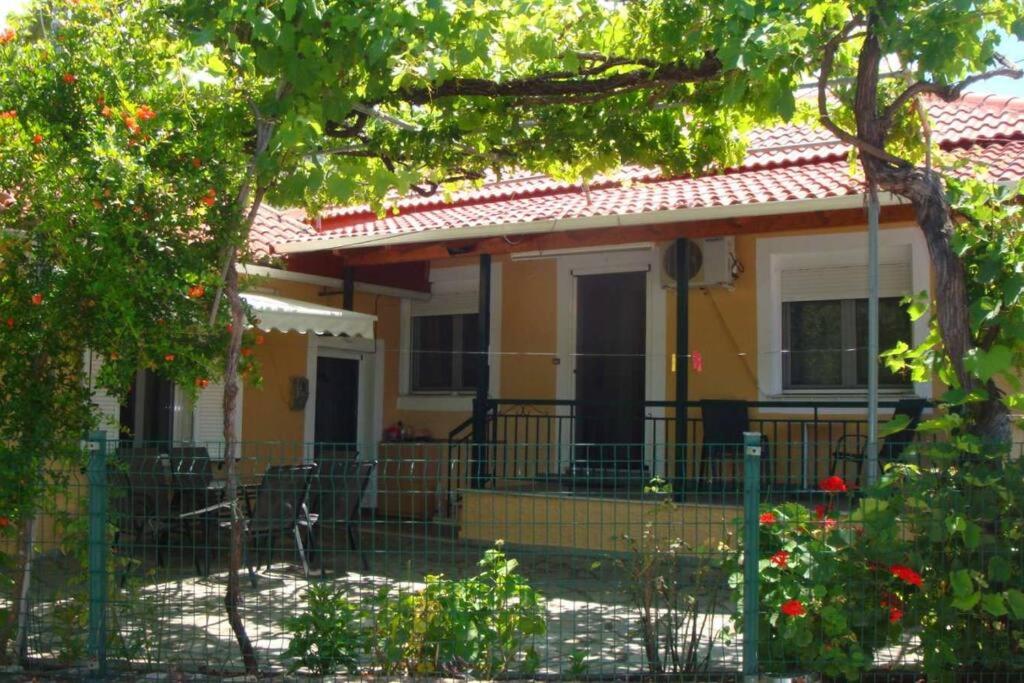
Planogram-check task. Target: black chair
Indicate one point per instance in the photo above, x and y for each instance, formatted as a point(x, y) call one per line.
point(194, 501)
point(281, 504)
point(146, 512)
point(892, 446)
point(724, 423)
point(336, 496)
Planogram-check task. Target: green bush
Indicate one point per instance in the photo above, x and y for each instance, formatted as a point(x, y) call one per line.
point(830, 595)
point(961, 520)
point(329, 636)
point(478, 625)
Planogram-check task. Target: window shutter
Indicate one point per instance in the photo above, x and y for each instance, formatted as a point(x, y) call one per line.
point(108, 406)
point(844, 282)
point(208, 420)
point(447, 304)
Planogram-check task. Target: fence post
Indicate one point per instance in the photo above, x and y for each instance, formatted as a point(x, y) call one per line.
point(98, 495)
point(751, 551)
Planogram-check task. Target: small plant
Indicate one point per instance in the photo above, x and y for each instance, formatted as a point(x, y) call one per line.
point(329, 636)
point(665, 596)
point(578, 664)
point(479, 625)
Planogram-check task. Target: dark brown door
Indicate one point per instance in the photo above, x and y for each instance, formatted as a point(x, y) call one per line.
point(336, 421)
point(610, 369)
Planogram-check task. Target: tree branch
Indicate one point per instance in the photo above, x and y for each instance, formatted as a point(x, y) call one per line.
point(827, 61)
point(948, 93)
point(648, 74)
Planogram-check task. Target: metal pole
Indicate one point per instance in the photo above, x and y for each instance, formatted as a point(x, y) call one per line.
point(479, 468)
point(871, 456)
point(348, 293)
point(682, 247)
point(97, 475)
point(751, 551)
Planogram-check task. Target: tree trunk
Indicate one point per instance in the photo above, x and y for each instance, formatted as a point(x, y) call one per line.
point(924, 189)
point(232, 598)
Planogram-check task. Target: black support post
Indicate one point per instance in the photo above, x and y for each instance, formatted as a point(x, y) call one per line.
point(348, 294)
point(479, 466)
point(682, 247)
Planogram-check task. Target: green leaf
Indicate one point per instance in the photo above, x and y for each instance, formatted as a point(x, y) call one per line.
point(994, 604)
point(987, 364)
point(972, 535)
point(289, 9)
point(967, 602)
point(998, 569)
point(1016, 600)
point(961, 582)
point(897, 424)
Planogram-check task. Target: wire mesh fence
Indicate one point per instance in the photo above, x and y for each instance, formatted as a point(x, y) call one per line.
point(376, 559)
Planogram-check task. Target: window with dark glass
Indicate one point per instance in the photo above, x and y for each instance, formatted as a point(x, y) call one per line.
point(443, 352)
point(825, 342)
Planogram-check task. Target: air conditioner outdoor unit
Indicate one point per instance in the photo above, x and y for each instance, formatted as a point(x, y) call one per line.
point(712, 263)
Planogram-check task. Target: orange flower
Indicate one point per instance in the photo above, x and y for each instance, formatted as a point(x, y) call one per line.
point(260, 340)
point(768, 518)
point(793, 608)
point(10, 114)
point(202, 382)
point(106, 112)
point(6, 35)
point(130, 123)
point(144, 113)
point(230, 328)
point(37, 299)
point(37, 139)
point(5, 522)
point(169, 357)
point(10, 323)
point(210, 198)
point(69, 78)
point(196, 162)
point(247, 352)
point(196, 291)
point(780, 559)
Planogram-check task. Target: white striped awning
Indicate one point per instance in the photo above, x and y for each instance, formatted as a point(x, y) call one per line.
point(291, 315)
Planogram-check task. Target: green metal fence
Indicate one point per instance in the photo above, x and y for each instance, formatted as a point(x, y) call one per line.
point(343, 545)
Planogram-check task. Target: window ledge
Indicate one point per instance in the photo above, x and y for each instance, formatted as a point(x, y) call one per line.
point(454, 403)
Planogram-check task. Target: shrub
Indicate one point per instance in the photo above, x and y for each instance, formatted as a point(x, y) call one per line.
point(961, 519)
point(478, 625)
point(830, 595)
point(329, 636)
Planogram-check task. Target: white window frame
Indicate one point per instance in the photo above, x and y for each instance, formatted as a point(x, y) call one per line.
point(776, 254)
point(449, 287)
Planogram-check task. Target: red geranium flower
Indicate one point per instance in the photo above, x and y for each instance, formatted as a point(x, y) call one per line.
point(6, 35)
point(69, 78)
point(780, 559)
point(145, 113)
point(906, 574)
point(793, 608)
point(819, 511)
point(895, 614)
point(37, 299)
point(833, 484)
point(5, 522)
point(829, 523)
point(10, 323)
point(768, 518)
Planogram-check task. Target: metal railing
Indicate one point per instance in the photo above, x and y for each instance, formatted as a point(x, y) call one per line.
point(540, 442)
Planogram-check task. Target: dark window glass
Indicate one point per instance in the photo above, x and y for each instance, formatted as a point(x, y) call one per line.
point(443, 352)
point(825, 342)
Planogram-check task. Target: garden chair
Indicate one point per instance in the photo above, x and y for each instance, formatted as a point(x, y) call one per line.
point(853, 447)
point(336, 496)
point(281, 502)
point(194, 501)
point(724, 423)
point(147, 508)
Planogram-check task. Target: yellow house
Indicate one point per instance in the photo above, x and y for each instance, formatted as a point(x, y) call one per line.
point(530, 344)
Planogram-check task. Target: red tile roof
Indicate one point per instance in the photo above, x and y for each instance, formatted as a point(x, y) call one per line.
point(273, 226)
point(783, 163)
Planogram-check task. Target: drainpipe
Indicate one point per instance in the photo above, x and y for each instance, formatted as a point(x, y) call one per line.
point(871, 456)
